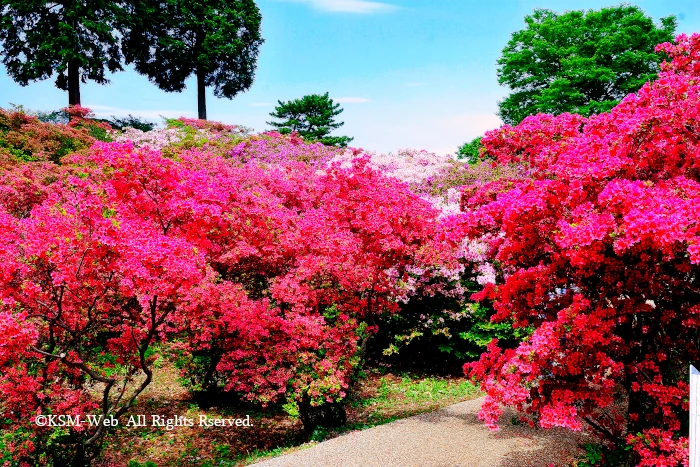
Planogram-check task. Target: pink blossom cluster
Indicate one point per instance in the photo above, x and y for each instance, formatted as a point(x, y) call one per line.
point(417, 169)
point(598, 253)
point(408, 165)
point(278, 267)
point(156, 139)
point(275, 149)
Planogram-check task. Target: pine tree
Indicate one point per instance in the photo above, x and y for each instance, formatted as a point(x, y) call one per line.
point(313, 117)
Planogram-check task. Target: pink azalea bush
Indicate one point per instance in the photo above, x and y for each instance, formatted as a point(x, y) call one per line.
point(180, 134)
point(598, 255)
point(274, 148)
point(278, 268)
point(266, 263)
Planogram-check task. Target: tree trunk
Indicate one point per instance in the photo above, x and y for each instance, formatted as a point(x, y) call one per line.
point(201, 97)
point(73, 83)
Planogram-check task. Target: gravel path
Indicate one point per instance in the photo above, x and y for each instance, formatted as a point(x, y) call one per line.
point(450, 437)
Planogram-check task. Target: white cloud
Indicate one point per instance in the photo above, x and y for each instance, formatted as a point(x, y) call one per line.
point(351, 100)
point(348, 6)
point(107, 111)
point(261, 104)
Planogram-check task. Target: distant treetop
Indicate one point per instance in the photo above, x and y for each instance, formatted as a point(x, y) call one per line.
point(313, 117)
point(217, 41)
point(581, 62)
point(78, 41)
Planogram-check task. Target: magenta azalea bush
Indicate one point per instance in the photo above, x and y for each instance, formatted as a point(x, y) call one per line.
point(598, 254)
point(267, 263)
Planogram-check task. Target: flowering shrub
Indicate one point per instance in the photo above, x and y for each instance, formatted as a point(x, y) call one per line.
point(279, 269)
point(214, 127)
point(26, 138)
point(88, 286)
point(599, 254)
point(274, 148)
point(444, 189)
point(156, 139)
point(82, 117)
point(437, 178)
point(438, 325)
point(338, 232)
point(408, 165)
point(183, 134)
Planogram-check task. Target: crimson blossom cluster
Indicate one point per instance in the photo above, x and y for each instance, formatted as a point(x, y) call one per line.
point(599, 253)
point(275, 270)
point(266, 262)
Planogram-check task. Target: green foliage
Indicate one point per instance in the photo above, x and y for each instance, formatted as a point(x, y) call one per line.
point(135, 463)
point(319, 434)
point(130, 122)
point(472, 151)
point(579, 62)
point(600, 455)
point(292, 409)
point(331, 313)
point(27, 139)
point(98, 133)
point(50, 442)
point(74, 39)
point(313, 117)
point(8, 438)
point(217, 40)
point(338, 141)
point(482, 331)
point(198, 371)
point(594, 454)
point(109, 362)
point(441, 333)
point(53, 116)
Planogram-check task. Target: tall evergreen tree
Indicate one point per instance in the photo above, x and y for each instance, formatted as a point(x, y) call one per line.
point(75, 39)
point(216, 40)
point(313, 117)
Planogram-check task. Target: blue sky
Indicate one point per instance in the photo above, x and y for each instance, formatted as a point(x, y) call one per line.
point(408, 73)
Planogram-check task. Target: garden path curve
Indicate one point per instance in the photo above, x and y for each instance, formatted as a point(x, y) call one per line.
point(449, 437)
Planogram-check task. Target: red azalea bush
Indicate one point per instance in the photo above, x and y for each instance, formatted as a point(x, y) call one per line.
point(599, 253)
point(279, 270)
point(214, 127)
point(92, 285)
point(316, 261)
point(26, 138)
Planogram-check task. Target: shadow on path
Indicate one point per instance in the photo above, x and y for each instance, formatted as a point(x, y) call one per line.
point(449, 437)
